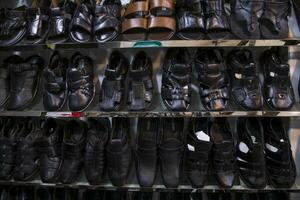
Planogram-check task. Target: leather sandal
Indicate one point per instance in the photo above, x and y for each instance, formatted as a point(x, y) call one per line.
point(134, 24)
point(245, 84)
point(161, 24)
point(12, 26)
point(140, 90)
point(37, 21)
point(60, 17)
point(244, 18)
point(274, 21)
point(106, 25)
point(176, 80)
point(190, 20)
point(81, 23)
point(212, 78)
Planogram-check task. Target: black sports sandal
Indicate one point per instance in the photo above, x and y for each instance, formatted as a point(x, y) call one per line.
point(281, 167)
point(176, 80)
point(250, 152)
point(112, 94)
point(140, 89)
point(197, 152)
point(279, 94)
point(210, 66)
point(245, 84)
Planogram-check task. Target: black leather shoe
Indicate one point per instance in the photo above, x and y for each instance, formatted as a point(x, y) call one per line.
point(94, 157)
point(49, 147)
point(197, 152)
point(223, 152)
point(245, 84)
point(250, 152)
point(279, 159)
point(55, 84)
point(73, 150)
point(279, 94)
point(213, 89)
point(112, 94)
point(80, 78)
point(171, 151)
point(119, 153)
point(140, 88)
point(146, 151)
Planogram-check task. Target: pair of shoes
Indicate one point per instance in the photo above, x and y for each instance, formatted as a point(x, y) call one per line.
point(260, 158)
point(114, 92)
point(165, 149)
point(74, 82)
point(260, 18)
point(210, 142)
point(20, 80)
point(197, 18)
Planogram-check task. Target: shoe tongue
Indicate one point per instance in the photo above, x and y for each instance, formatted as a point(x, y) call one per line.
point(116, 145)
point(146, 143)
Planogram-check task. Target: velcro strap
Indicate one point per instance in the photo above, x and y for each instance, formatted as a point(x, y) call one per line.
point(201, 156)
point(134, 23)
point(215, 94)
point(179, 69)
point(138, 6)
point(55, 87)
point(162, 22)
point(74, 85)
point(21, 67)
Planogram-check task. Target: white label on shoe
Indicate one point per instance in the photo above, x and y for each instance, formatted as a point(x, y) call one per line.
point(272, 74)
point(253, 139)
point(190, 147)
point(281, 140)
point(238, 76)
point(202, 136)
point(243, 147)
point(271, 148)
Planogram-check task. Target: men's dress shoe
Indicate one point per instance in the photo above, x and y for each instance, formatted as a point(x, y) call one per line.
point(250, 152)
point(49, 147)
point(146, 151)
point(81, 87)
point(223, 152)
point(24, 83)
point(171, 151)
point(197, 152)
point(112, 94)
point(281, 167)
point(55, 93)
point(94, 157)
point(119, 151)
point(27, 158)
point(279, 94)
point(44, 193)
point(245, 84)
point(73, 150)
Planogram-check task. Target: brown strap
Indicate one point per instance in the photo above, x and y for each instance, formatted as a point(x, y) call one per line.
point(162, 22)
point(139, 6)
point(162, 4)
point(134, 23)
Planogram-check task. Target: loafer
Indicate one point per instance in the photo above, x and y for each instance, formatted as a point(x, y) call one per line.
point(119, 155)
point(146, 151)
point(80, 78)
point(250, 158)
point(281, 168)
point(55, 84)
point(94, 156)
point(49, 147)
point(73, 150)
point(171, 151)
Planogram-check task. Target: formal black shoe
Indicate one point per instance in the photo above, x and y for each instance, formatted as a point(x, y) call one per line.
point(223, 163)
point(140, 88)
point(171, 151)
point(73, 150)
point(55, 93)
point(197, 152)
point(44, 193)
point(278, 89)
point(119, 153)
point(80, 78)
point(250, 152)
point(245, 84)
point(49, 147)
point(176, 80)
point(146, 151)
point(142, 196)
point(212, 77)
point(94, 156)
point(25, 82)
point(281, 167)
